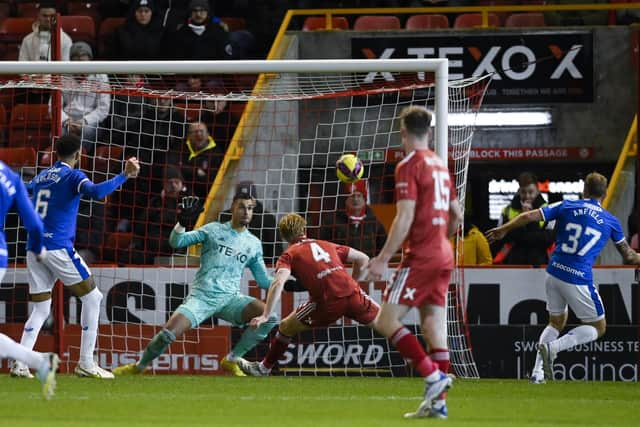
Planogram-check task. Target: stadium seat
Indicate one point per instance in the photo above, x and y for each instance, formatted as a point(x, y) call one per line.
point(17, 157)
point(233, 23)
point(116, 241)
point(313, 23)
point(30, 125)
point(376, 22)
point(4, 124)
point(79, 28)
point(5, 10)
point(533, 19)
point(85, 8)
point(12, 31)
point(421, 22)
point(472, 20)
point(28, 9)
point(107, 27)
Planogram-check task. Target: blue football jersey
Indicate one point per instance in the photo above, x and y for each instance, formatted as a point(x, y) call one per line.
point(583, 228)
point(56, 197)
point(14, 194)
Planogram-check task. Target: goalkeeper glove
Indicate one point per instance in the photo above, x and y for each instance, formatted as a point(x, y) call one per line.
point(294, 286)
point(188, 210)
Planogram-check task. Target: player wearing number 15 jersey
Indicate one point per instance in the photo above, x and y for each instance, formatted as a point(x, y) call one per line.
point(56, 195)
point(333, 292)
point(583, 228)
point(427, 212)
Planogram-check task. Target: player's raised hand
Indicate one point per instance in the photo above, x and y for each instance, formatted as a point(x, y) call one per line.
point(257, 321)
point(188, 210)
point(495, 234)
point(132, 167)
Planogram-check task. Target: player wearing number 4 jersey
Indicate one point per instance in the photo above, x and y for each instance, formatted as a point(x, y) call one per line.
point(56, 195)
point(583, 228)
point(427, 212)
point(333, 293)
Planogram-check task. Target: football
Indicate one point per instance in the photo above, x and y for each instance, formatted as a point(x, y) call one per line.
point(349, 168)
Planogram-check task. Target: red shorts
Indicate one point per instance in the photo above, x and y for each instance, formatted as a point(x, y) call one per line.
point(416, 288)
point(357, 306)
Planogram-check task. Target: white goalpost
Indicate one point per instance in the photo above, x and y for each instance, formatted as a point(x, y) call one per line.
point(278, 128)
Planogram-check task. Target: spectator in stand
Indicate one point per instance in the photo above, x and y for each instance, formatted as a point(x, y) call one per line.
point(154, 224)
point(529, 244)
point(356, 225)
point(263, 224)
point(141, 35)
point(83, 111)
point(198, 158)
point(476, 250)
point(200, 38)
point(36, 46)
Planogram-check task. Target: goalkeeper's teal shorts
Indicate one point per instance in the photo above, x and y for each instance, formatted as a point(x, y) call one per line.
point(198, 308)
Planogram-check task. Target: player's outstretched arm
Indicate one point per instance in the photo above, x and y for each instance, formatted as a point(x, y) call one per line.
point(524, 218)
point(273, 296)
point(629, 256)
point(100, 191)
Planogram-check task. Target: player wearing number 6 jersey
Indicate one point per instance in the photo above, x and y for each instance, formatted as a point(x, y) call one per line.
point(56, 195)
point(333, 292)
point(427, 212)
point(583, 228)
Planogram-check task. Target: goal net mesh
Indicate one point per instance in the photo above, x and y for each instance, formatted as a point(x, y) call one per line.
point(210, 136)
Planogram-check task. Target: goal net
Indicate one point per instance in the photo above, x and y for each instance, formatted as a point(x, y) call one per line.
point(211, 131)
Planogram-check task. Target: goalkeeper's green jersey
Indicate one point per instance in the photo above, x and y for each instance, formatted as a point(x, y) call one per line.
point(224, 256)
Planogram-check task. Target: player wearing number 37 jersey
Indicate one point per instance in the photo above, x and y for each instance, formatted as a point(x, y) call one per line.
point(583, 228)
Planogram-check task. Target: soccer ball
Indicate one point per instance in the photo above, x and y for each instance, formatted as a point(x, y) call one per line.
point(349, 168)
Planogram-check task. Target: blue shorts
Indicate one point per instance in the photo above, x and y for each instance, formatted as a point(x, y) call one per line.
point(198, 307)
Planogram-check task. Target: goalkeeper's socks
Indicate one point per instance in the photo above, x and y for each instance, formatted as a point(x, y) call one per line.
point(279, 345)
point(251, 337)
point(410, 348)
point(156, 347)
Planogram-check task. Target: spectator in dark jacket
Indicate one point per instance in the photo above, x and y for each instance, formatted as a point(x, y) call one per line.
point(140, 37)
point(200, 38)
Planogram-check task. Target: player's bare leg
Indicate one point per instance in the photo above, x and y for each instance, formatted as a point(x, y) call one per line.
point(289, 327)
point(91, 297)
point(249, 338)
point(177, 325)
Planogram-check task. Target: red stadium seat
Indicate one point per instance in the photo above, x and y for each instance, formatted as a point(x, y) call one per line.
point(79, 28)
point(534, 19)
point(108, 158)
point(116, 241)
point(85, 8)
point(107, 27)
point(12, 31)
point(376, 22)
point(30, 125)
point(313, 23)
point(5, 10)
point(421, 22)
point(28, 10)
point(472, 20)
point(17, 157)
point(233, 23)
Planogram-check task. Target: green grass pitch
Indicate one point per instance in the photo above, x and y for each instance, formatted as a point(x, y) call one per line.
point(278, 401)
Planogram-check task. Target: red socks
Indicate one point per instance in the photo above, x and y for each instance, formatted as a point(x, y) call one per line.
point(410, 348)
point(279, 345)
point(441, 357)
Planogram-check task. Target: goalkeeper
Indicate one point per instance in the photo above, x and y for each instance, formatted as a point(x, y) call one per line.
point(227, 248)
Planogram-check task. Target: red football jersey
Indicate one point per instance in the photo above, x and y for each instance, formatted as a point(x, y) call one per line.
point(318, 265)
point(422, 176)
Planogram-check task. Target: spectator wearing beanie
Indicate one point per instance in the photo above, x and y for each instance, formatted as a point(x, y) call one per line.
point(200, 38)
point(140, 36)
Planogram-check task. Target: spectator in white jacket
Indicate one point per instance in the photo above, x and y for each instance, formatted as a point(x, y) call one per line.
point(82, 111)
point(36, 46)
